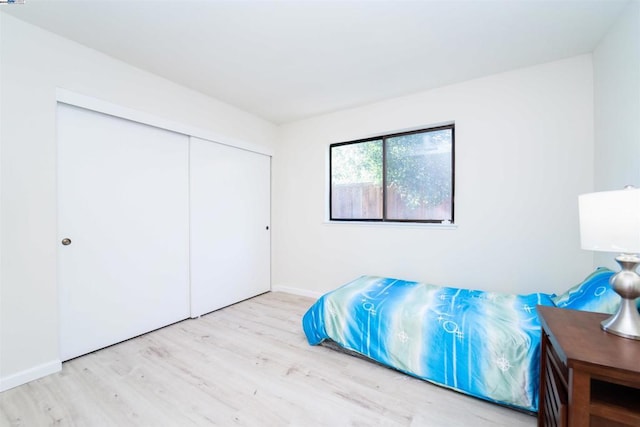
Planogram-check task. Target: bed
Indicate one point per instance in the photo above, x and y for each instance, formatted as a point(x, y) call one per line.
point(485, 344)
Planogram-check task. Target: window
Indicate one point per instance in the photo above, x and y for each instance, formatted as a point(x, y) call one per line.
point(404, 177)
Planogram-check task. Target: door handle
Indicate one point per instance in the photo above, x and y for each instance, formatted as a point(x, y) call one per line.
point(66, 241)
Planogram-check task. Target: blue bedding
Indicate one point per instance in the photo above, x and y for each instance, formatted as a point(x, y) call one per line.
point(485, 344)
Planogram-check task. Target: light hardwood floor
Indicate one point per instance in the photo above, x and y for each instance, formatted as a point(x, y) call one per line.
point(247, 365)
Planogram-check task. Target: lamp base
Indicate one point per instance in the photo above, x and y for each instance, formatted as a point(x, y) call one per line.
point(626, 321)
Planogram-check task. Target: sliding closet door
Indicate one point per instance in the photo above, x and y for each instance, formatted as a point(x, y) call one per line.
point(230, 214)
point(123, 225)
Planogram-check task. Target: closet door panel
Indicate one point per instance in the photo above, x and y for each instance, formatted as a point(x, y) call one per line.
point(123, 203)
point(230, 214)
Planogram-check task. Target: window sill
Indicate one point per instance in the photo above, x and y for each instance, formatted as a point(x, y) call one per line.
point(424, 225)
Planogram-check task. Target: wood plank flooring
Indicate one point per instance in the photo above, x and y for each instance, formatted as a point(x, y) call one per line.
point(245, 365)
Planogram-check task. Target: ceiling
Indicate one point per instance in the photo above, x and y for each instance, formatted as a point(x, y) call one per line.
point(287, 60)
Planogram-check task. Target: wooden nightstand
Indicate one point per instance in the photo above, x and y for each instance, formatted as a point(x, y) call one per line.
point(588, 377)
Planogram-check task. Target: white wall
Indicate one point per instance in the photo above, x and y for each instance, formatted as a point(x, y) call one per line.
point(524, 151)
point(617, 108)
point(1, 204)
point(34, 64)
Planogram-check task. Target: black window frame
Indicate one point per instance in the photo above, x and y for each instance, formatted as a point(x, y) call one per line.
point(384, 177)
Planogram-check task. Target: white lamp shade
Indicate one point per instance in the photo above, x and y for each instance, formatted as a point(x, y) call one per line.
point(610, 221)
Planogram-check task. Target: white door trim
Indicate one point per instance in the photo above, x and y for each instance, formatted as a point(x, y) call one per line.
point(90, 103)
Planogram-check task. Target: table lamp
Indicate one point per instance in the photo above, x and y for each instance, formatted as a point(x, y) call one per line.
point(610, 222)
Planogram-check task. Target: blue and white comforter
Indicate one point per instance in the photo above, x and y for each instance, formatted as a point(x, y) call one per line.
point(485, 344)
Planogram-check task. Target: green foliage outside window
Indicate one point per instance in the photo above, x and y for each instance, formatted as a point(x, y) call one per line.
point(360, 162)
point(419, 167)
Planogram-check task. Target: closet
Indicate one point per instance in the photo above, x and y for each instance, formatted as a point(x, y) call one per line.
point(154, 226)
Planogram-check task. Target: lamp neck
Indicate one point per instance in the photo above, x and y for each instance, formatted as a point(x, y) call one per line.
point(628, 262)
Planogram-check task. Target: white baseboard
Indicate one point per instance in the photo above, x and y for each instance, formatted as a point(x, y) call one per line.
point(296, 291)
point(30, 374)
